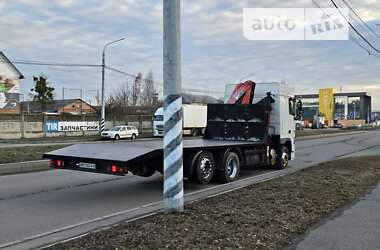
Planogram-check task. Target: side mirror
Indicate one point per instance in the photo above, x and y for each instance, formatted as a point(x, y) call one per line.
point(299, 110)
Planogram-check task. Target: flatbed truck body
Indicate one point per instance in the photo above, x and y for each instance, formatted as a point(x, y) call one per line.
point(132, 154)
point(236, 135)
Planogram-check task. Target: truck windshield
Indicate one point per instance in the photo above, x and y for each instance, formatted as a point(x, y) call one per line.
point(158, 118)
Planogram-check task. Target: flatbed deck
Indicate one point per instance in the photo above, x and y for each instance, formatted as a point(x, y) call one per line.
point(129, 151)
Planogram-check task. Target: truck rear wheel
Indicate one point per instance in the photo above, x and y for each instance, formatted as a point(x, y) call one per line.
point(230, 168)
point(204, 168)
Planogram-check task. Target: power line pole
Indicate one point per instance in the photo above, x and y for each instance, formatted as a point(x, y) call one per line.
point(173, 147)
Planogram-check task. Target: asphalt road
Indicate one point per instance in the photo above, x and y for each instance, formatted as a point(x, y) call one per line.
point(360, 222)
point(36, 205)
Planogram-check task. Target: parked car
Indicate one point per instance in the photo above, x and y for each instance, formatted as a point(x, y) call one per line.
point(299, 125)
point(120, 132)
point(338, 125)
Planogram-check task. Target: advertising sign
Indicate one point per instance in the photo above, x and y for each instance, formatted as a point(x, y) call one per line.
point(9, 93)
point(326, 103)
point(58, 126)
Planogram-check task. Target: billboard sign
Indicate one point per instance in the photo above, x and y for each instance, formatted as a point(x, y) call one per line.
point(9, 93)
point(326, 103)
point(58, 126)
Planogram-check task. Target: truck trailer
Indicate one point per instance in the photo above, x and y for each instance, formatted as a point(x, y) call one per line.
point(194, 120)
point(242, 134)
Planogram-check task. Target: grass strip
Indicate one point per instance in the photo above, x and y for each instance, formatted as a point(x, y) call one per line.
point(19, 154)
point(267, 215)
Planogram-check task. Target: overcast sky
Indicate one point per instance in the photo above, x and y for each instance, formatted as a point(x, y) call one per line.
point(215, 51)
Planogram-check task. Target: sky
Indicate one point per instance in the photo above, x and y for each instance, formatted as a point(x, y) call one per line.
point(214, 50)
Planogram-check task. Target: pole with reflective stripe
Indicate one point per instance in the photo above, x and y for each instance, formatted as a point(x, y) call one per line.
point(173, 161)
point(102, 125)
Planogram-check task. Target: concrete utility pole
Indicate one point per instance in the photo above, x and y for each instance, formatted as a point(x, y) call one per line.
point(103, 112)
point(173, 148)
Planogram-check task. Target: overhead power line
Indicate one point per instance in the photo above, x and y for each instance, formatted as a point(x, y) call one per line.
point(121, 72)
point(354, 39)
point(354, 29)
point(54, 64)
point(57, 64)
point(365, 24)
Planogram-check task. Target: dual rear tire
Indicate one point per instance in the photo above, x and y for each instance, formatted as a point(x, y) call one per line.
point(225, 169)
point(204, 167)
point(229, 167)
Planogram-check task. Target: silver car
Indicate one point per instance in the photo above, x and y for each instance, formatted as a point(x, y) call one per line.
point(120, 132)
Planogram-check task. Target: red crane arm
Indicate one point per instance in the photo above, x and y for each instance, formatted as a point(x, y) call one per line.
point(243, 93)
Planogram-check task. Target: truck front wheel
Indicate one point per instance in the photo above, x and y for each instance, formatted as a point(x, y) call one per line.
point(230, 168)
point(280, 159)
point(204, 168)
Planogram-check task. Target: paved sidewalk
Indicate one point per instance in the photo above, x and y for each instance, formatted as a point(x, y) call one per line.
point(357, 227)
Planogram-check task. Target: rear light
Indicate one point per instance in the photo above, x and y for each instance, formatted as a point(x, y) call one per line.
point(114, 169)
point(56, 163)
point(117, 170)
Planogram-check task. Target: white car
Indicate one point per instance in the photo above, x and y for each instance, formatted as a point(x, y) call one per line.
point(120, 132)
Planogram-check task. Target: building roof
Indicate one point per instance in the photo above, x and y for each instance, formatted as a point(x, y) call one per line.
point(349, 94)
point(4, 59)
point(53, 107)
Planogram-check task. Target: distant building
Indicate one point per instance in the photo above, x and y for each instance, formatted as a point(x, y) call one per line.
point(347, 106)
point(9, 86)
point(68, 106)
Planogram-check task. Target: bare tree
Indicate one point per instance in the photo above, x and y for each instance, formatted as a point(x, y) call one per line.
point(136, 91)
point(149, 90)
point(123, 95)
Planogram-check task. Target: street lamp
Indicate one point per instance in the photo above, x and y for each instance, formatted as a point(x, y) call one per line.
point(103, 112)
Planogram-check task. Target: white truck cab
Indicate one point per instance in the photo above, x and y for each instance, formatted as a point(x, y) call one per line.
point(283, 122)
point(158, 122)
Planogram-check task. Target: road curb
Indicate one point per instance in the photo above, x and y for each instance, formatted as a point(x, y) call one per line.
point(23, 167)
point(321, 136)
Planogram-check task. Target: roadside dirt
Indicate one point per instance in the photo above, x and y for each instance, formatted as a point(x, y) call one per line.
point(268, 215)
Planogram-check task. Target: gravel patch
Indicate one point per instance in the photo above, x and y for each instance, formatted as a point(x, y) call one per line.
point(267, 215)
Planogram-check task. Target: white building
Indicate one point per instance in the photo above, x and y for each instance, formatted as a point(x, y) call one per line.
point(9, 86)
